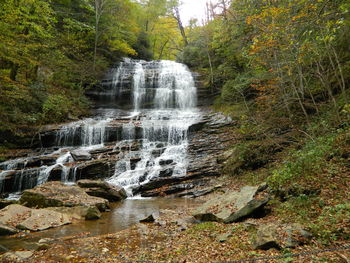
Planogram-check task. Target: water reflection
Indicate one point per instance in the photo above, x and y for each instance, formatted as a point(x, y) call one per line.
point(121, 216)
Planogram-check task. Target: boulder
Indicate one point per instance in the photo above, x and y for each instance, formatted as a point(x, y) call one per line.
point(251, 207)
point(7, 230)
point(42, 219)
point(79, 212)
point(11, 179)
point(224, 237)
point(295, 235)
point(54, 194)
point(171, 189)
point(95, 169)
point(183, 223)
point(266, 237)
point(198, 193)
point(17, 256)
point(103, 189)
point(149, 219)
point(46, 240)
point(55, 174)
point(281, 236)
point(81, 155)
point(231, 207)
point(12, 215)
point(24, 218)
point(158, 182)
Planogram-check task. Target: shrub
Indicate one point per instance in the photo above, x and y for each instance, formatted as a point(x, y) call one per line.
point(56, 108)
point(306, 162)
point(333, 223)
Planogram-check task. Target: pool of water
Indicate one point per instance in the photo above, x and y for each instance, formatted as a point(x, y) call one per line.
point(122, 215)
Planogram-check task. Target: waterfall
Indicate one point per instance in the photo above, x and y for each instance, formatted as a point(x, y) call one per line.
point(165, 126)
point(139, 90)
point(153, 104)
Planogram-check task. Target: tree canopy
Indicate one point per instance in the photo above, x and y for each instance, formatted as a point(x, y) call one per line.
point(51, 51)
point(279, 56)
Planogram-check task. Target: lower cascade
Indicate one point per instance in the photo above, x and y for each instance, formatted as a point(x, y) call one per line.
point(144, 108)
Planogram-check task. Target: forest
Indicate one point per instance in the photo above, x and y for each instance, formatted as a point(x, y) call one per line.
point(52, 51)
point(279, 70)
point(272, 56)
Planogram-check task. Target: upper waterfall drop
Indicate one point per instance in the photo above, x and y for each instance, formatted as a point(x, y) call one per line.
point(164, 97)
point(175, 87)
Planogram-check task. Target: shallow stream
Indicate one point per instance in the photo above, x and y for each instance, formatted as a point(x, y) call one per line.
point(122, 215)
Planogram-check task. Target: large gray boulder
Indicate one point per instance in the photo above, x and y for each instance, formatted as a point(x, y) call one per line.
point(42, 219)
point(267, 237)
point(103, 189)
point(54, 194)
point(231, 207)
point(11, 216)
point(17, 217)
point(247, 210)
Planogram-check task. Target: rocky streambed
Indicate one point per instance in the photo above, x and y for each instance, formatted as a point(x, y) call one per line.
point(88, 195)
point(217, 226)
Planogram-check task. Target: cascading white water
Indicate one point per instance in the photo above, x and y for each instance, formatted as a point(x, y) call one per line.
point(164, 127)
point(162, 96)
point(89, 132)
point(139, 89)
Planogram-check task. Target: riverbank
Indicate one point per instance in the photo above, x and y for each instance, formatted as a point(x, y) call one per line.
point(175, 237)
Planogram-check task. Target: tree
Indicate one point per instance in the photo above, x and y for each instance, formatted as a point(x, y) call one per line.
point(25, 30)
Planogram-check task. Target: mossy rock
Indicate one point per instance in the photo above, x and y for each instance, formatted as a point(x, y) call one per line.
point(34, 199)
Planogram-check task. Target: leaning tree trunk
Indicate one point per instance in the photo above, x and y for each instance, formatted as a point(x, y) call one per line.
point(180, 25)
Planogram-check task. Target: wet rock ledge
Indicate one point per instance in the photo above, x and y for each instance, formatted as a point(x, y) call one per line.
point(208, 139)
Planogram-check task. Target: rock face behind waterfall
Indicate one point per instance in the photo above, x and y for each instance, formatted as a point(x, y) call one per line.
point(146, 135)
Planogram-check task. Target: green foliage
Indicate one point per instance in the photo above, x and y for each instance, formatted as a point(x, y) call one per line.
point(207, 226)
point(303, 163)
point(246, 57)
point(56, 107)
point(142, 46)
point(51, 51)
point(333, 223)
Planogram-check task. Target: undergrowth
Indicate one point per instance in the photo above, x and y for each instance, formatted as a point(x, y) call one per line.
point(306, 168)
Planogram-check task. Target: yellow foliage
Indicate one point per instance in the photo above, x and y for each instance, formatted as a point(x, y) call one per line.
point(122, 46)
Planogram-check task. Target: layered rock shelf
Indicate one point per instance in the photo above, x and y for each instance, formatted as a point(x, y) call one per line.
point(208, 139)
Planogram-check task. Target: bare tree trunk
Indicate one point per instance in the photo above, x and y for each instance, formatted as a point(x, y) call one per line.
point(343, 86)
point(99, 9)
point(180, 25)
point(224, 9)
point(211, 71)
point(327, 87)
point(300, 102)
point(280, 76)
point(154, 45)
point(162, 49)
point(209, 60)
point(301, 81)
point(335, 69)
point(14, 71)
point(311, 95)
